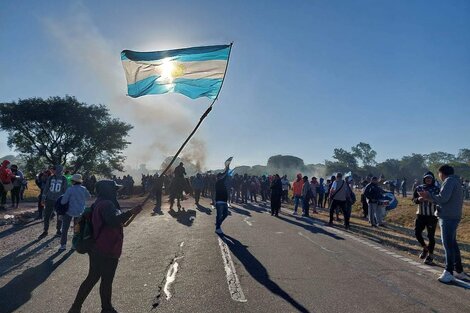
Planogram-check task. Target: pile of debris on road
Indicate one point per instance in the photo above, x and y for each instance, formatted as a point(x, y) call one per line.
point(18, 219)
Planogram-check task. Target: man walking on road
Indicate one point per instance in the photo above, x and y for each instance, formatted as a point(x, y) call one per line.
point(55, 187)
point(449, 211)
point(276, 195)
point(338, 196)
point(297, 189)
point(221, 198)
point(373, 193)
point(426, 217)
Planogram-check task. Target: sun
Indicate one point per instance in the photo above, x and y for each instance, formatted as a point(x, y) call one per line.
point(170, 70)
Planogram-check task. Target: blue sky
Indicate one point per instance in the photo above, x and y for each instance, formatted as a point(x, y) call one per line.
point(304, 76)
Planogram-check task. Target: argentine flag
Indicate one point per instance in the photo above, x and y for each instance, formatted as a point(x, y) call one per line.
point(194, 72)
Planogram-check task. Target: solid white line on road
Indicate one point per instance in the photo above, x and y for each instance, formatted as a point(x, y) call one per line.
point(234, 287)
point(247, 221)
point(170, 278)
point(316, 243)
point(171, 274)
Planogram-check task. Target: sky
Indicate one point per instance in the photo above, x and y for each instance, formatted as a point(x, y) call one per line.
point(304, 77)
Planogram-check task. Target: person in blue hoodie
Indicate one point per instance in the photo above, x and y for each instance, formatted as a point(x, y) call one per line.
point(426, 217)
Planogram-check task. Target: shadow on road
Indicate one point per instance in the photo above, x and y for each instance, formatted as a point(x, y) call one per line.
point(311, 227)
point(256, 269)
point(240, 211)
point(183, 216)
point(203, 209)
point(16, 228)
point(18, 291)
point(17, 258)
point(253, 207)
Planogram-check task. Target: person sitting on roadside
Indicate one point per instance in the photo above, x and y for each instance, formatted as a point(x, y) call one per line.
point(426, 217)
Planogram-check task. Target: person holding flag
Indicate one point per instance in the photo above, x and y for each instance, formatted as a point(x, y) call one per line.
point(221, 197)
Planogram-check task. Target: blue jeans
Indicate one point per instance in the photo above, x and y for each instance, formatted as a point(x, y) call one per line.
point(449, 241)
point(222, 212)
point(297, 201)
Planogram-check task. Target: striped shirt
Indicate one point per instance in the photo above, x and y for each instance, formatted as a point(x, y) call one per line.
point(425, 208)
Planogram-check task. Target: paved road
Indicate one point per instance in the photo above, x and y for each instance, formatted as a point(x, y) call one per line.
point(175, 263)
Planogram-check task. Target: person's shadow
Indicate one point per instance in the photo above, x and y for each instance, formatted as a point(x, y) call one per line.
point(18, 291)
point(183, 216)
point(19, 257)
point(203, 209)
point(256, 269)
point(16, 228)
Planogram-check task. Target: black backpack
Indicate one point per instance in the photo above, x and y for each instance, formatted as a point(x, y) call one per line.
point(83, 239)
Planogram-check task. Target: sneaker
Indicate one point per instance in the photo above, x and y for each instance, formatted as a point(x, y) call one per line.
point(461, 276)
point(429, 260)
point(219, 231)
point(44, 234)
point(295, 213)
point(446, 277)
point(62, 248)
point(423, 254)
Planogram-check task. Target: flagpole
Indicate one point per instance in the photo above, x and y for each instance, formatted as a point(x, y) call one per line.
point(201, 119)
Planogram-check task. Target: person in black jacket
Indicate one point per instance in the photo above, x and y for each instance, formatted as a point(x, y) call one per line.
point(221, 198)
point(373, 193)
point(426, 217)
point(276, 195)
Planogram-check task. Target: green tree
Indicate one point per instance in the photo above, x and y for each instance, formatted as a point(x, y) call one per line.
point(464, 156)
point(345, 158)
point(61, 130)
point(439, 158)
point(364, 152)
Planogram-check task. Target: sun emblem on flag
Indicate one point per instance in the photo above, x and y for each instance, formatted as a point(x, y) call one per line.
point(178, 70)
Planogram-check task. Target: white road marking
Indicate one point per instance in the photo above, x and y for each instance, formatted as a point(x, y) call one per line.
point(316, 243)
point(234, 287)
point(385, 251)
point(247, 221)
point(170, 278)
point(171, 274)
point(279, 232)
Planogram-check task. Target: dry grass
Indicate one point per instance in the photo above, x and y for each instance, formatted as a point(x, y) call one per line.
point(405, 214)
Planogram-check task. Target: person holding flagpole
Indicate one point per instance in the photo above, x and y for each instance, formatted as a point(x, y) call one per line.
point(221, 198)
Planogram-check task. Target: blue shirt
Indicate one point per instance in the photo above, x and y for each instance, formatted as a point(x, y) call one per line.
point(76, 196)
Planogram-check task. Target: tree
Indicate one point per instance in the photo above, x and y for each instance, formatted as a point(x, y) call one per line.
point(364, 152)
point(464, 156)
point(439, 158)
point(64, 131)
point(345, 158)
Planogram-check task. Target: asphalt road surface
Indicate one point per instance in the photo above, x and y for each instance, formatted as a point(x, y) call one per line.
point(174, 262)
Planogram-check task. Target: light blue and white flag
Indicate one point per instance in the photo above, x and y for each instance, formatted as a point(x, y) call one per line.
point(194, 72)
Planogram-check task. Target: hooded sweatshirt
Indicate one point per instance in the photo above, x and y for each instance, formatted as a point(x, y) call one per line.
point(108, 220)
point(426, 208)
point(5, 173)
point(449, 199)
point(56, 185)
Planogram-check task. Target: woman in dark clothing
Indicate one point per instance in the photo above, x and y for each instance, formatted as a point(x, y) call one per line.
point(276, 195)
point(107, 221)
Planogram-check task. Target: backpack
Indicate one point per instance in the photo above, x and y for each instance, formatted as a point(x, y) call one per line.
point(351, 197)
point(83, 239)
point(60, 208)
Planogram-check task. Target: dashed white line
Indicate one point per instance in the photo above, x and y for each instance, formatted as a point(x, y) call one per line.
point(234, 286)
point(247, 221)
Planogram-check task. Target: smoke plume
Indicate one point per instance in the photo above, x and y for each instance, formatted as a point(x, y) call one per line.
point(160, 123)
